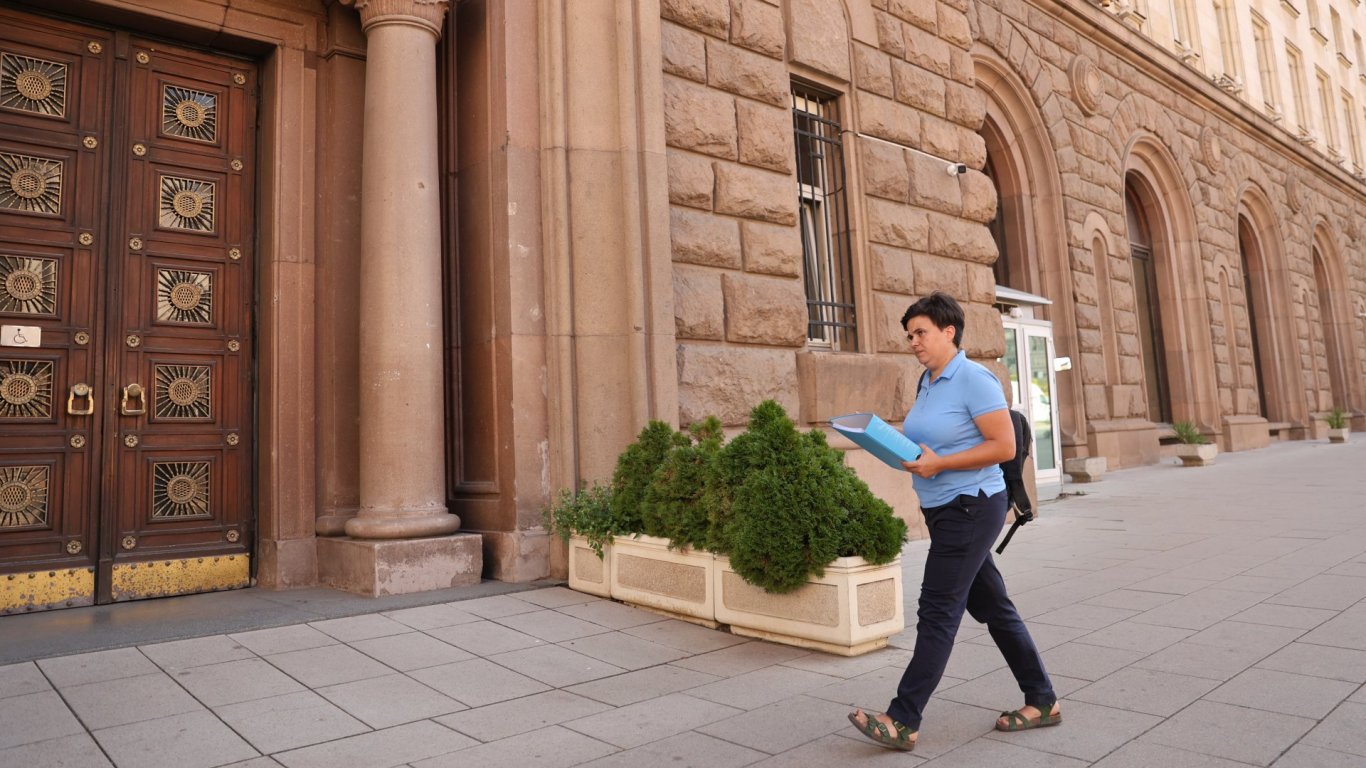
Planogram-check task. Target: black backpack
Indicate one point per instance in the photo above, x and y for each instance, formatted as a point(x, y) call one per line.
point(1012, 469)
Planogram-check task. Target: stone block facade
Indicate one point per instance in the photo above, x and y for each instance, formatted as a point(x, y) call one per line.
point(619, 235)
point(1257, 276)
point(1259, 270)
point(901, 79)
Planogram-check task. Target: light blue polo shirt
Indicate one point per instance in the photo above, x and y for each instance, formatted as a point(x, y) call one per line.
point(942, 418)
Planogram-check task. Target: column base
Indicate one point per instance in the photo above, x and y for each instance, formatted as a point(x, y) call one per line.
point(382, 526)
point(399, 566)
point(334, 523)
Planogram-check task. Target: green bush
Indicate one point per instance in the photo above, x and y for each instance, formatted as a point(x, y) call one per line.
point(781, 503)
point(770, 438)
point(1337, 419)
point(587, 513)
point(870, 529)
point(1188, 433)
point(798, 506)
point(636, 468)
point(675, 503)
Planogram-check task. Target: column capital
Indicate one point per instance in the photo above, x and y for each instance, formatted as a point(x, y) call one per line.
point(427, 14)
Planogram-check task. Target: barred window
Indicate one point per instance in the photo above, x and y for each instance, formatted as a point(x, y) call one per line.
point(826, 258)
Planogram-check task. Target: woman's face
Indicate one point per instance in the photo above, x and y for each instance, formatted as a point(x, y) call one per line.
point(931, 345)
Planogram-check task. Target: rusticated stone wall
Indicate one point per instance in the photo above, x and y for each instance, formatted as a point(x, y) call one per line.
point(1107, 100)
point(904, 78)
point(1106, 109)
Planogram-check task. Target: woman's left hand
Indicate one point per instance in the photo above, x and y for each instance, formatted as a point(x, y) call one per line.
point(928, 465)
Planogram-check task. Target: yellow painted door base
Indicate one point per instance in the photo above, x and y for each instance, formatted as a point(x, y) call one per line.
point(41, 590)
point(161, 578)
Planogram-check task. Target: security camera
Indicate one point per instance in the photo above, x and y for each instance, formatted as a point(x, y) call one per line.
point(955, 169)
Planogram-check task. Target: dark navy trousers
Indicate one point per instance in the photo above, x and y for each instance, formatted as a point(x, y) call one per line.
point(959, 574)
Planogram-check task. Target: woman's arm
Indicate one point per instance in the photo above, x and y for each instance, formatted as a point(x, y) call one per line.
point(998, 445)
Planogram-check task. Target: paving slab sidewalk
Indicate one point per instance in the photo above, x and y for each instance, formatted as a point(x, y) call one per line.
point(1211, 617)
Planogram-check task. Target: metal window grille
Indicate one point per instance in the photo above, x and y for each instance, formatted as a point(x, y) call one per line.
point(827, 264)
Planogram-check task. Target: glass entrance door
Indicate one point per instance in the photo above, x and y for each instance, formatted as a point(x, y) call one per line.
point(1029, 361)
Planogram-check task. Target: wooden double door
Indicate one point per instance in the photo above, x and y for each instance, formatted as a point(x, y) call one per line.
point(126, 304)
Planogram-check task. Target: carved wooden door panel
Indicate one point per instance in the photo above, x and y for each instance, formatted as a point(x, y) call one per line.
point(125, 296)
point(53, 122)
point(179, 512)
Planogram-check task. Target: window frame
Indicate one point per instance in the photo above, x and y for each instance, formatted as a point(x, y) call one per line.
point(1353, 137)
point(1225, 11)
point(1266, 65)
point(823, 218)
point(1326, 105)
point(1298, 86)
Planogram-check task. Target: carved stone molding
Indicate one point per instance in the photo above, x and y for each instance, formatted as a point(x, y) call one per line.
point(1088, 84)
point(427, 14)
point(1211, 149)
point(1294, 193)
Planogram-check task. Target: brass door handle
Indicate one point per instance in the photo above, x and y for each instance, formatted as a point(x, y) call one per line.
point(133, 392)
point(80, 392)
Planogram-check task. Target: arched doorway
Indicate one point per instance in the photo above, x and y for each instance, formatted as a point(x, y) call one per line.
point(1254, 285)
point(1031, 238)
point(1336, 394)
point(1274, 336)
point(1146, 298)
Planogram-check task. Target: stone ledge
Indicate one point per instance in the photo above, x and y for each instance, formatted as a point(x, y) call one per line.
point(400, 566)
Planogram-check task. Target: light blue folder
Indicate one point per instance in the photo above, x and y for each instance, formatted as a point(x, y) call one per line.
point(878, 438)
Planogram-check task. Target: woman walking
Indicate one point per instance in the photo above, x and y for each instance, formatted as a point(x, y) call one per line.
point(961, 423)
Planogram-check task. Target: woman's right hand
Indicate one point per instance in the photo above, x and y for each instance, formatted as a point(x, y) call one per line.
point(928, 465)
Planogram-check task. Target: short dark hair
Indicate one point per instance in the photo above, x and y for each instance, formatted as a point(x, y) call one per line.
point(942, 310)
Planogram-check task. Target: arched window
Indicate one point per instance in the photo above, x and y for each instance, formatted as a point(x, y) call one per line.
point(1146, 305)
point(1001, 269)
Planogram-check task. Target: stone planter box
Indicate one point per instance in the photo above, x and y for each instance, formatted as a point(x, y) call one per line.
point(646, 573)
point(1339, 435)
point(849, 611)
point(1197, 455)
point(589, 573)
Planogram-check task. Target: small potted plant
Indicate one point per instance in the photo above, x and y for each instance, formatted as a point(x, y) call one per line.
point(1192, 447)
point(1337, 426)
point(584, 520)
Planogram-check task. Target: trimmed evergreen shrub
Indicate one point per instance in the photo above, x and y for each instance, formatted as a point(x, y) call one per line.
point(798, 506)
point(870, 529)
point(675, 504)
point(769, 439)
point(635, 468)
point(781, 503)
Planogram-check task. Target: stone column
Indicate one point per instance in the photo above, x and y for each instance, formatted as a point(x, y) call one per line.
point(402, 416)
